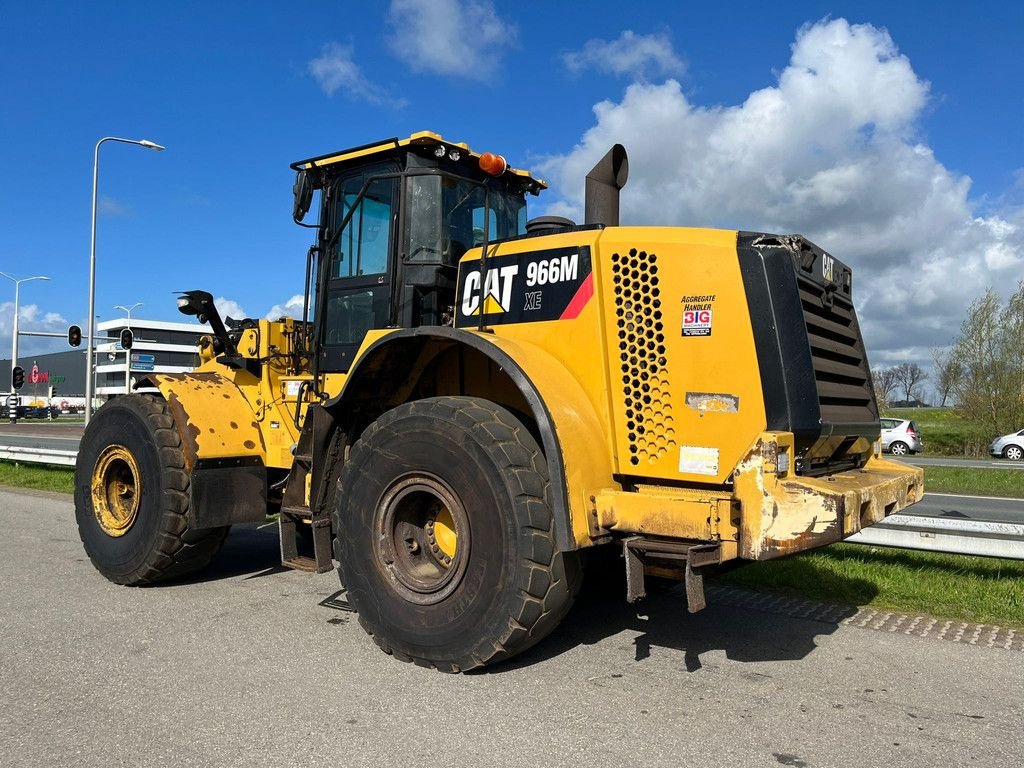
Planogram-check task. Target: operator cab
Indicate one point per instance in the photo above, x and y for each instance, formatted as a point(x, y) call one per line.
point(395, 218)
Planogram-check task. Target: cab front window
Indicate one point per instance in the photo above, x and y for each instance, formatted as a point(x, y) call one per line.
point(446, 217)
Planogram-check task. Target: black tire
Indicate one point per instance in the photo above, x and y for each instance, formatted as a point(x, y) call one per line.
point(504, 587)
point(899, 449)
point(1013, 452)
point(135, 536)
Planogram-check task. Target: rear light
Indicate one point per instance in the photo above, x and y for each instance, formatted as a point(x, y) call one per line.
point(910, 431)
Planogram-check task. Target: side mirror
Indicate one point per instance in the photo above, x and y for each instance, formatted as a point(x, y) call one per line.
point(303, 193)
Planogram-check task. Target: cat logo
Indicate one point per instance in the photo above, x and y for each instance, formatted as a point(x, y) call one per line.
point(828, 268)
point(497, 293)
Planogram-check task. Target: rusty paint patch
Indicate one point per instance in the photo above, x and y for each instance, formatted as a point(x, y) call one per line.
point(234, 425)
point(713, 402)
point(188, 432)
point(249, 444)
point(814, 536)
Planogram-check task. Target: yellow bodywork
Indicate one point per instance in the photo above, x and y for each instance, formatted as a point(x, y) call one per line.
point(703, 406)
point(703, 468)
point(222, 412)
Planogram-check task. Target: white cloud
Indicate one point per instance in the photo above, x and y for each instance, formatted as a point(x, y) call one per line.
point(108, 206)
point(461, 38)
point(831, 151)
point(229, 308)
point(30, 318)
point(631, 54)
point(335, 69)
point(291, 308)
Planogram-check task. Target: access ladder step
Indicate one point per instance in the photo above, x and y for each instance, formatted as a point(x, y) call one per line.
point(287, 525)
point(639, 551)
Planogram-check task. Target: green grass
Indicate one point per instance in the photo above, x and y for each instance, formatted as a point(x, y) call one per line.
point(976, 589)
point(42, 478)
point(945, 432)
point(975, 482)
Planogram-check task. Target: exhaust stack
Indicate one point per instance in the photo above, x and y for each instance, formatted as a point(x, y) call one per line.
point(603, 184)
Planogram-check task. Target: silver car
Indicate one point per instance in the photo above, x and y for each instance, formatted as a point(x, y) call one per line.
point(1009, 446)
point(900, 437)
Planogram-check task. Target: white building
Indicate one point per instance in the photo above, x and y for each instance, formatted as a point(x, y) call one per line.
point(157, 347)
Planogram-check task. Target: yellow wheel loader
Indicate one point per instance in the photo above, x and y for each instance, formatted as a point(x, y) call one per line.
point(472, 399)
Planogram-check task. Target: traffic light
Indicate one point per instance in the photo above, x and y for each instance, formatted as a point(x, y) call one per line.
point(74, 336)
point(126, 338)
point(17, 377)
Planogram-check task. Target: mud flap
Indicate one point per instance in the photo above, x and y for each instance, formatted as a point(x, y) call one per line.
point(227, 491)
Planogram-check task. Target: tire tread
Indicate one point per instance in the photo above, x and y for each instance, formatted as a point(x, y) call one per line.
point(510, 444)
point(180, 550)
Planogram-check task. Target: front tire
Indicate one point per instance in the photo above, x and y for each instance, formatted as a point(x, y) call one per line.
point(131, 496)
point(445, 536)
point(899, 449)
point(1013, 453)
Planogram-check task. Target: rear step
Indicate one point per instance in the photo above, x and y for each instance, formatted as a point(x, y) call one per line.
point(685, 560)
point(287, 526)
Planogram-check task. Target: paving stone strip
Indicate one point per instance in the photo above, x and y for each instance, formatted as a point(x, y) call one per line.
point(949, 630)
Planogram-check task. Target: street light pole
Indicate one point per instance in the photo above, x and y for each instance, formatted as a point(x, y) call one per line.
point(89, 362)
point(129, 311)
point(14, 336)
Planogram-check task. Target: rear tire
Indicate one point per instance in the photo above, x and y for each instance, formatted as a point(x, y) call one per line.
point(445, 536)
point(899, 449)
point(1013, 453)
point(132, 495)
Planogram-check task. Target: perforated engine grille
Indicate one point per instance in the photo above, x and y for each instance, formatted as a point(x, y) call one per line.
point(641, 332)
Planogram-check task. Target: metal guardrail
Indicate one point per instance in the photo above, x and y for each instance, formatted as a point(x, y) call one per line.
point(941, 534)
point(932, 534)
point(27, 455)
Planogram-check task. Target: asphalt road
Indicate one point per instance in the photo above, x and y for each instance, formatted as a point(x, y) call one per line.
point(249, 666)
point(985, 508)
point(42, 434)
point(948, 461)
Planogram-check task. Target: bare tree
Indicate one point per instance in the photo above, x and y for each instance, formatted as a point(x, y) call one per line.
point(990, 353)
point(948, 372)
point(885, 384)
point(909, 377)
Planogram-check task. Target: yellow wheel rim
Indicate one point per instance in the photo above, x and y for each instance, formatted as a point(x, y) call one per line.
point(444, 533)
point(116, 490)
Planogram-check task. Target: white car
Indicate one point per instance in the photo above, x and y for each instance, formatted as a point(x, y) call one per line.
point(1009, 446)
point(900, 437)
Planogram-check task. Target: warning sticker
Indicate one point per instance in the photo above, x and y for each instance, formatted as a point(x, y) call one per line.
point(698, 461)
point(698, 315)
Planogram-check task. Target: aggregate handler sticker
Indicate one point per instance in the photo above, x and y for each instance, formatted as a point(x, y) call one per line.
point(698, 314)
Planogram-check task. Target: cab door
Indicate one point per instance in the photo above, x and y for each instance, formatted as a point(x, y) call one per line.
point(357, 284)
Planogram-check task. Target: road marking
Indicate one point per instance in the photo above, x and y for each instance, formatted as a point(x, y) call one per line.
point(964, 496)
point(39, 437)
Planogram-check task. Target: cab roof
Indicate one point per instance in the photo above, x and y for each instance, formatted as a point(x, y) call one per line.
point(416, 140)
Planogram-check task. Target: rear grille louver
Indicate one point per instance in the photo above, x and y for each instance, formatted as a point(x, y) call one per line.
point(837, 355)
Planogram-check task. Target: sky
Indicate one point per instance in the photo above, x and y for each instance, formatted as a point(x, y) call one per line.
point(888, 133)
